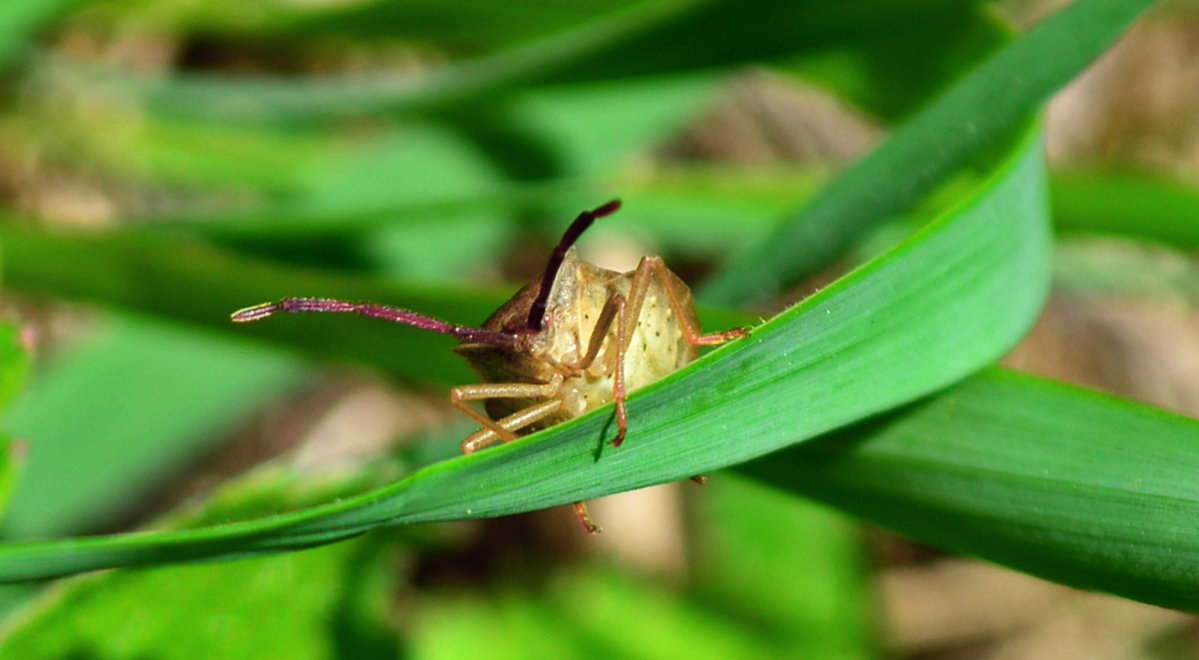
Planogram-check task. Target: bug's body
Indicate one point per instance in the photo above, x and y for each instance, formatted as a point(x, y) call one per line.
point(656, 348)
point(576, 339)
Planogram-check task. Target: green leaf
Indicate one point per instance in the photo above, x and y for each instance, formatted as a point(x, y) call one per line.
point(106, 421)
point(186, 280)
point(944, 303)
point(1131, 204)
point(14, 362)
point(580, 612)
point(967, 119)
point(12, 459)
point(633, 40)
point(1073, 486)
point(810, 602)
point(331, 599)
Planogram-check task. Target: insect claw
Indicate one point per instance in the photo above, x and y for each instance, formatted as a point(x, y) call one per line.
point(735, 333)
point(585, 521)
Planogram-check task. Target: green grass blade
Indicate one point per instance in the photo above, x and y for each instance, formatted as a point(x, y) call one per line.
point(108, 420)
point(1140, 205)
point(967, 119)
point(939, 306)
point(334, 597)
point(1073, 486)
point(14, 362)
point(467, 81)
point(810, 603)
point(635, 40)
point(184, 280)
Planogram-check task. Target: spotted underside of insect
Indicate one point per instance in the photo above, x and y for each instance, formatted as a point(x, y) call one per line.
point(577, 338)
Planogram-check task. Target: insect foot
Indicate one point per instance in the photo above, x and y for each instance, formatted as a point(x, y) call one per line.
point(575, 339)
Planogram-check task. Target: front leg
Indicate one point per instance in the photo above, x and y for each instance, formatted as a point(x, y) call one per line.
point(613, 312)
point(506, 428)
point(626, 314)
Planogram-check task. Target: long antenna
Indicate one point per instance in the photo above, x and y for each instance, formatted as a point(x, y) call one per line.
point(573, 232)
point(393, 314)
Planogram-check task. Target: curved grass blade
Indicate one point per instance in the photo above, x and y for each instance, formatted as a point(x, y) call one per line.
point(967, 119)
point(939, 306)
point(1064, 483)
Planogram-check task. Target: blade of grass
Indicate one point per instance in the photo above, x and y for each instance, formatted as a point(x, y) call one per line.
point(185, 280)
point(107, 421)
point(812, 602)
point(336, 597)
point(640, 39)
point(967, 119)
point(14, 362)
point(1140, 205)
point(941, 305)
point(1073, 486)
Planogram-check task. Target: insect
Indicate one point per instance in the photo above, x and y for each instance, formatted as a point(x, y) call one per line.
point(577, 338)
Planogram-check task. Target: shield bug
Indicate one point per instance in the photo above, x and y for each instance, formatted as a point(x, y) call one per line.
point(577, 338)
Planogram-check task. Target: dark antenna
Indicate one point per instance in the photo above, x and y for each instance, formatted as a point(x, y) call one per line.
point(393, 314)
point(573, 232)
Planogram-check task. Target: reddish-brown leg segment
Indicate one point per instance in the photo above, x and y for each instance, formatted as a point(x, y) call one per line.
point(649, 268)
point(655, 267)
point(580, 509)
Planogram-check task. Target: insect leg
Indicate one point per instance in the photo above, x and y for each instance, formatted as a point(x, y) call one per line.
point(629, 312)
point(492, 429)
point(655, 267)
point(584, 519)
point(614, 310)
point(602, 325)
point(514, 422)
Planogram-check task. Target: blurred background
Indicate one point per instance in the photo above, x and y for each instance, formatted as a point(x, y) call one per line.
point(369, 147)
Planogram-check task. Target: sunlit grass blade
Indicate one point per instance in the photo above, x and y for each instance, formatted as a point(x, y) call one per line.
point(1073, 486)
point(939, 306)
point(969, 118)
